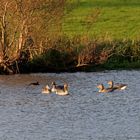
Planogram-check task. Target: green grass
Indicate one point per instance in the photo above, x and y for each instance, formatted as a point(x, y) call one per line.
point(118, 19)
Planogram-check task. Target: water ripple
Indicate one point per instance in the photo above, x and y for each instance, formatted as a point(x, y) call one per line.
point(26, 114)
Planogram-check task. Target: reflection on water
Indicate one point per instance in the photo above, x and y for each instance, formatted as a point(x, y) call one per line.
point(26, 114)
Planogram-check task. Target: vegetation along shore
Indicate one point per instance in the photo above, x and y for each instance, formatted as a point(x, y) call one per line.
point(69, 35)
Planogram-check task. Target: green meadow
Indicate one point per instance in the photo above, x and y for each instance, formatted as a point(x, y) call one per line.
point(117, 19)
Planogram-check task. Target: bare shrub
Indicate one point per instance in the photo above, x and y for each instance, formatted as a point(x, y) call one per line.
point(94, 54)
point(24, 25)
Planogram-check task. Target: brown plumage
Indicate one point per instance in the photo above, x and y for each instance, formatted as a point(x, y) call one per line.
point(117, 86)
point(60, 90)
point(46, 90)
point(103, 89)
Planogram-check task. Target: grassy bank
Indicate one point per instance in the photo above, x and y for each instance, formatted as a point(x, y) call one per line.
point(118, 19)
point(81, 35)
point(81, 53)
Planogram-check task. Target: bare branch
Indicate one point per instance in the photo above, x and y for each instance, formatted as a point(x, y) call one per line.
point(14, 37)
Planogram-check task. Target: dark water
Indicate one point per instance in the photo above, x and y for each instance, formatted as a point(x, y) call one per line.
point(26, 114)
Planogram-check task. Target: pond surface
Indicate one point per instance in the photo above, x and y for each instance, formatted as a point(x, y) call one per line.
point(26, 114)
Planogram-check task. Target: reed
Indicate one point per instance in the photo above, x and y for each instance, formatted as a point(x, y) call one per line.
point(84, 53)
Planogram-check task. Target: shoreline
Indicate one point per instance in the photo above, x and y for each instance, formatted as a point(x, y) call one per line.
point(86, 69)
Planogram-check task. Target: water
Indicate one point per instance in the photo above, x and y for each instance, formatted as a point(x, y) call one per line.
point(26, 114)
